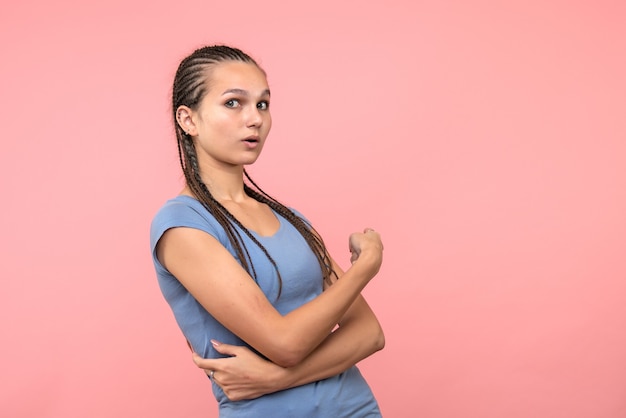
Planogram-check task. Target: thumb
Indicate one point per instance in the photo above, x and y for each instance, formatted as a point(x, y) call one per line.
point(227, 349)
point(204, 363)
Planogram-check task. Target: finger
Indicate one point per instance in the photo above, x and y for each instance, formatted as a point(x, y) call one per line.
point(205, 363)
point(198, 360)
point(230, 350)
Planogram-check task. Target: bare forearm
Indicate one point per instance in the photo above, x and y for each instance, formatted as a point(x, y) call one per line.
point(341, 350)
point(306, 331)
point(244, 375)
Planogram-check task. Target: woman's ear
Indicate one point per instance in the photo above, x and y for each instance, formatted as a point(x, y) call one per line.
point(184, 118)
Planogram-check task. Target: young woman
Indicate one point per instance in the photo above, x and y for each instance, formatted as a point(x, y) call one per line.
point(250, 282)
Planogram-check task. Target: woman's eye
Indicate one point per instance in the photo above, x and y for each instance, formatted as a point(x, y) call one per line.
point(263, 105)
point(232, 103)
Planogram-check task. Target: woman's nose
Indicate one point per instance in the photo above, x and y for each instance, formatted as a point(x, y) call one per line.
point(254, 117)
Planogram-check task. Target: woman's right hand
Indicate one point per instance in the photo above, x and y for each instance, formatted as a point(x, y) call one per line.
point(242, 375)
point(367, 248)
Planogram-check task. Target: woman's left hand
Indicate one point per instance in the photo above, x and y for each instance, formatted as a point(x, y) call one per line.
point(243, 375)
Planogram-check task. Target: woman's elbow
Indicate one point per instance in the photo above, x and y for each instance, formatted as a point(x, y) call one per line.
point(285, 360)
point(289, 355)
point(379, 339)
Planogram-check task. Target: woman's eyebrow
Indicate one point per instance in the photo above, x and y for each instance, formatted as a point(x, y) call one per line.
point(243, 92)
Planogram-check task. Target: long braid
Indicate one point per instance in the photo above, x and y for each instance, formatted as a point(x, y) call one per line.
point(220, 213)
point(307, 231)
point(223, 216)
point(190, 87)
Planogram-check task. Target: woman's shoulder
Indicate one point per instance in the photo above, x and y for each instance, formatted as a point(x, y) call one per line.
point(300, 215)
point(183, 207)
point(181, 201)
point(184, 211)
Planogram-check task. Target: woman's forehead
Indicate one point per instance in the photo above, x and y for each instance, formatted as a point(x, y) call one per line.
point(235, 75)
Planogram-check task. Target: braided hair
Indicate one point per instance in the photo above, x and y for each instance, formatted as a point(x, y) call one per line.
point(190, 87)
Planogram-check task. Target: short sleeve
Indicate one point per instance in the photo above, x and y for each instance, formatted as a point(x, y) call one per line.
point(183, 211)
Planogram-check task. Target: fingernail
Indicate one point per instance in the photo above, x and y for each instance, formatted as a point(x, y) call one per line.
point(215, 343)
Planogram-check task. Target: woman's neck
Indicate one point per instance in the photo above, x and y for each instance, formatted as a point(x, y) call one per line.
point(225, 183)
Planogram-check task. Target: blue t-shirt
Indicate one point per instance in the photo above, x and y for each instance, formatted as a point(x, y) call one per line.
point(344, 395)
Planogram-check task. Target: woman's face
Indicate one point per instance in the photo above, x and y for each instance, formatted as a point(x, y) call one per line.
point(233, 120)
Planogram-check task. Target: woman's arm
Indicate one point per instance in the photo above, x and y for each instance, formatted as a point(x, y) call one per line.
point(247, 376)
point(217, 281)
point(357, 338)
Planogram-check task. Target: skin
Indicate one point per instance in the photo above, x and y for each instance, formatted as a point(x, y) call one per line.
point(229, 129)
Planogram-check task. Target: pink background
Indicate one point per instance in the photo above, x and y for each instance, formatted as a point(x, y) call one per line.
point(486, 141)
